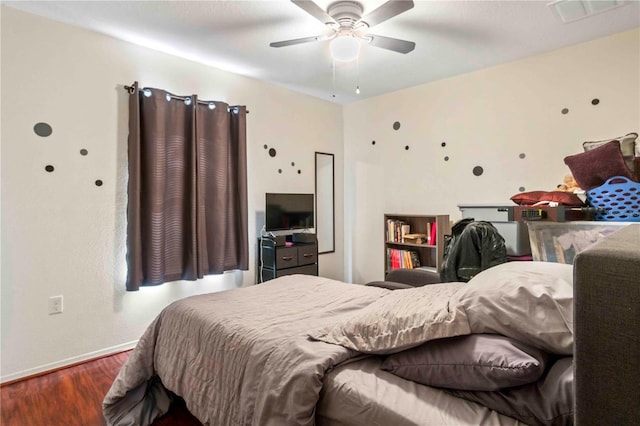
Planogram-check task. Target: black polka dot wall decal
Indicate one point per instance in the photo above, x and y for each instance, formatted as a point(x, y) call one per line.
point(477, 170)
point(565, 110)
point(373, 142)
point(443, 144)
point(396, 125)
point(595, 101)
point(521, 189)
point(446, 158)
point(522, 155)
point(293, 164)
point(272, 152)
point(406, 148)
point(299, 171)
point(279, 170)
point(265, 146)
point(98, 182)
point(42, 129)
point(83, 151)
point(49, 168)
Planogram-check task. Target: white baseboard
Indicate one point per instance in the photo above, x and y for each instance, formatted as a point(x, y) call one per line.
point(69, 361)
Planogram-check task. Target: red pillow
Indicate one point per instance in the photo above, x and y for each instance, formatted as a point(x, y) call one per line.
point(560, 197)
point(592, 168)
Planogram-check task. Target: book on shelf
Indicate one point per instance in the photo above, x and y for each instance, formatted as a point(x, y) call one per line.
point(391, 229)
point(414, 259)
point(397, 258)
point(396, 230)
point(433, 234)
point(399, 231)
point(404, 229)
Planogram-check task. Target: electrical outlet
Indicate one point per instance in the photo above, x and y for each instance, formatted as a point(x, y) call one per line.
point(55, 305)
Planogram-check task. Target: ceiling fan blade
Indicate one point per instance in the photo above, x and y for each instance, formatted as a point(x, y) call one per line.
point(387, 11)
point(314, 10)
point(298, 41)
point(397, 45)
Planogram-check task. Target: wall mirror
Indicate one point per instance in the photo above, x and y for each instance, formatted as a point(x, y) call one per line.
point(325, 203)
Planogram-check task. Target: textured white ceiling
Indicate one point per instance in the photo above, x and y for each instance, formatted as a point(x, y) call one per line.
point(452, 37)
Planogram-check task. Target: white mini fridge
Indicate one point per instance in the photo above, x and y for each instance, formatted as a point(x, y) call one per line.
point(515, 234)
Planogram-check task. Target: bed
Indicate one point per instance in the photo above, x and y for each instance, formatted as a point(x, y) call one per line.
point(303, 350)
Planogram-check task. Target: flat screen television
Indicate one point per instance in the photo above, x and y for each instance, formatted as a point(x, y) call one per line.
point(288, 211)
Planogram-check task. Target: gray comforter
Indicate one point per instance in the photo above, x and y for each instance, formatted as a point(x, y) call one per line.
point(239, 357)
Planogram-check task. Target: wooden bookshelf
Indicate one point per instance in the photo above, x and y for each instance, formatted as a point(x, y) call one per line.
point(428, 250)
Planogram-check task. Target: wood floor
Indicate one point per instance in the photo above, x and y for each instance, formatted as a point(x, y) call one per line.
point(72, 397)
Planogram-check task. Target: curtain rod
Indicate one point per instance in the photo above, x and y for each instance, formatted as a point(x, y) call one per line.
point(130, 89)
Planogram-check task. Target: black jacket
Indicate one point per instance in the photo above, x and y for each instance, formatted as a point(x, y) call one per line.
point(473, 247)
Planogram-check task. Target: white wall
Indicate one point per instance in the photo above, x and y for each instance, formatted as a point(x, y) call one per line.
point(487, 118)
point(62, 235)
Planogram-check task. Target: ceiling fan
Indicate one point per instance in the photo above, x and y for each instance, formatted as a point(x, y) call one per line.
point(345, 20)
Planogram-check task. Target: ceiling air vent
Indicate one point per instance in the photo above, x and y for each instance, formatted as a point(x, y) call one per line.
point(573, 10)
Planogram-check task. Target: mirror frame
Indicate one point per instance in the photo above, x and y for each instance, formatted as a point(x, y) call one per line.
point(325, 194)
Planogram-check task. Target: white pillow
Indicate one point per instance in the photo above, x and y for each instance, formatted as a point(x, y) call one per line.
point(628, 146)
point(528, 301)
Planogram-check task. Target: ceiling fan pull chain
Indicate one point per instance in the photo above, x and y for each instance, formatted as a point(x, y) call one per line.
point(333, 95)
point(358, 76)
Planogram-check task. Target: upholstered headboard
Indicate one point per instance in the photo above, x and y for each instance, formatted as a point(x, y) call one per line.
point(607, 330)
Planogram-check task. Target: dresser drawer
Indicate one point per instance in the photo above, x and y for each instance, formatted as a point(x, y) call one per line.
point(286, 257)
point(307, 254)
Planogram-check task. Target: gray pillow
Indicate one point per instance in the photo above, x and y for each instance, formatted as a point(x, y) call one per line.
point(531, 302)
point(549, 401)
point(485, 362)
point(400, 320)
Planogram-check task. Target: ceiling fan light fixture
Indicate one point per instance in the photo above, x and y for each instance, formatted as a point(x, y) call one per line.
point(345, 48)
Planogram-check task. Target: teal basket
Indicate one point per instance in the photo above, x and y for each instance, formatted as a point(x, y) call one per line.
point(617, 200)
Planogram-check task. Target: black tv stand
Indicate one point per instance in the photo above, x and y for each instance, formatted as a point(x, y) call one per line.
point(293, 258)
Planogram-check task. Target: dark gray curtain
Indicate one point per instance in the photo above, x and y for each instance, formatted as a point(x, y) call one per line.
point(187, 211)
